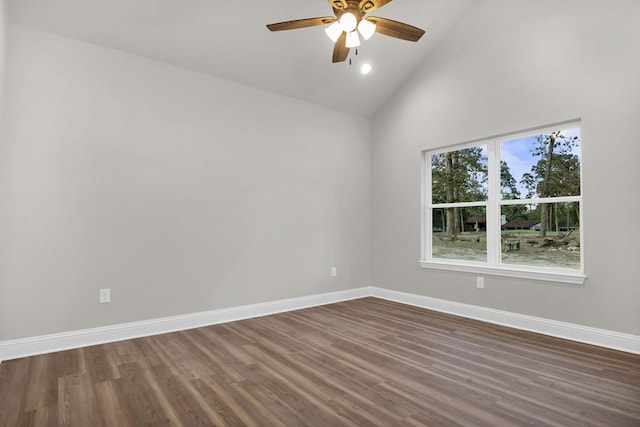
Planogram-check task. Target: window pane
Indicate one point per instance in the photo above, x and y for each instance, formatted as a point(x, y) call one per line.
point(523, 165)
point(459, 176)
point(459, 233)
point(544, 235)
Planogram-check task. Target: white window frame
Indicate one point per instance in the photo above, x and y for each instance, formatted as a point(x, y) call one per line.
point(493, 265)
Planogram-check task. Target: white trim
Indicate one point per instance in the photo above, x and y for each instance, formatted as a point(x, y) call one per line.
point(484, 203)
point(537, 201)
point(520, 273)
point(601, 337)
point(13, 349)
point(23, 347)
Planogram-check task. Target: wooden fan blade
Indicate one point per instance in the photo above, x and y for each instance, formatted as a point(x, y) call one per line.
point(301, 23)
point(340, 51)
point(370, 5)
point(396, 29)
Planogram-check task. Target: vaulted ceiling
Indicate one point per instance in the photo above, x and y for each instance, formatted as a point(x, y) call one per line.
point(228, 39)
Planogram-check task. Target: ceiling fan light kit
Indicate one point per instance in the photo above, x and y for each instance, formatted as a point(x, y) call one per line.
point(349, 21)
point(333, 31)
point(366, 29)
point(353, 40)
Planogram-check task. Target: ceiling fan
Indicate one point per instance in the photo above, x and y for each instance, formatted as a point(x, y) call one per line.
point(349, 21)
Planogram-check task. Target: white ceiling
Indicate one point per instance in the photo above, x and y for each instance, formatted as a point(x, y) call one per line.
point(229, 39)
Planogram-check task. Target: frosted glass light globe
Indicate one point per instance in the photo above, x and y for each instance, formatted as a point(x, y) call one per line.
point(366, 29)
point(348, 22)
point(352, 39)
point(334, 31)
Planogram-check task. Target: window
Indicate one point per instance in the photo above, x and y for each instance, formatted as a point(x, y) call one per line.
point(508, 205)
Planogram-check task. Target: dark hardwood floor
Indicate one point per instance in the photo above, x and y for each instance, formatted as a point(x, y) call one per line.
point(367, 362)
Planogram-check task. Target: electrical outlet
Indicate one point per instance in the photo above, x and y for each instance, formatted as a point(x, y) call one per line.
point(334, 271)
point(105, 295)
point(480, 282)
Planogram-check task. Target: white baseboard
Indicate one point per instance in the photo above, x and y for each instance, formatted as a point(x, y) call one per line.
point(23, 347)
point(570, 331)
point(13, 349)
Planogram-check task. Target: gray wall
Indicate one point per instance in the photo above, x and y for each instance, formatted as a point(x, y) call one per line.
point(182, 192)
point(507, 66)
point(3, 33)
point(3, 36)
point(179, 191)
point(3, 52)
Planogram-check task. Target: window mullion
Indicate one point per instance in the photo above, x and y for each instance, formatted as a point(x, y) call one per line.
point(427, 209)
point(493, 208)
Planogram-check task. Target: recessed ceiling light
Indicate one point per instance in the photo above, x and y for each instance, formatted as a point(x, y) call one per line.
point(365, 69)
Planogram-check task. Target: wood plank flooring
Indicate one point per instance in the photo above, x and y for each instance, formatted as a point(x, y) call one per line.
point(366, 362)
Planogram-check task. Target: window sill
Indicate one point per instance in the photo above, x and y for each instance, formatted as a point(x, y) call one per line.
point(548, 276)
